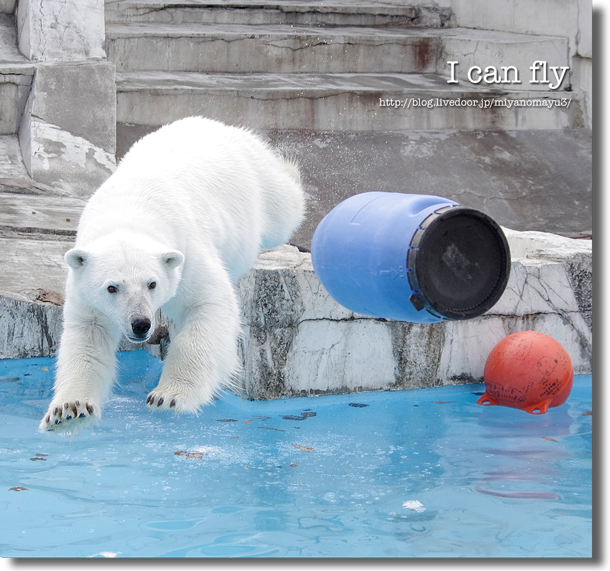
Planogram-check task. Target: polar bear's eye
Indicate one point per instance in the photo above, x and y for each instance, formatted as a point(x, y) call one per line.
point(152, 285)
point(112, 289)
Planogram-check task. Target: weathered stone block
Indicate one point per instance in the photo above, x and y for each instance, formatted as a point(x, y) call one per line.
point(61, 30)
point(298, 341)
point(30, 322)
point(67, 133)
point(28, 328)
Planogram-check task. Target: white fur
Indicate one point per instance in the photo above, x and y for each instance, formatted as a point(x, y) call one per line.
point(189, 208)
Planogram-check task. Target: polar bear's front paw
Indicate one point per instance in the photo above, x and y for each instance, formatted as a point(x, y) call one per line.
point(172, 400)
point(69, 416)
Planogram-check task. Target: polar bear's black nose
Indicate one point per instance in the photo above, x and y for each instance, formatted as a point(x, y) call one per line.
point(140, 326)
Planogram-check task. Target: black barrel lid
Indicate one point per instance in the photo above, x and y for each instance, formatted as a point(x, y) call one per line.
point(460, 263)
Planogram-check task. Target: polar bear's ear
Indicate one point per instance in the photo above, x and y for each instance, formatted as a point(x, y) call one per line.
point(76, 258)
point(173, 258)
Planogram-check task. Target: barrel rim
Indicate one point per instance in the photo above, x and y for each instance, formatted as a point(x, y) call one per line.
point(417, 255)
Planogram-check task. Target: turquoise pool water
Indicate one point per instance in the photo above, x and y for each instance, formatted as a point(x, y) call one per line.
point(421, 473)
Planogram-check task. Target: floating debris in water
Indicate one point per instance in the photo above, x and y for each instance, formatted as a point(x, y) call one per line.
point(39, 458)
point(442, 401)
point(357, 405)
point(40, 454)
point(304, 448)
point(226, 420)
point(588, 413)
point(190, 455)
point(519, 495)
point(270, 428)
point(262, 417)
point(17, 489)
point(549, 439)
point(303, 416)
point(248, 421)
point(293, 465)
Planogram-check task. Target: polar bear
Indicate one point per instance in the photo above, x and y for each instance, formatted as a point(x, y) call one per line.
point(184, 215)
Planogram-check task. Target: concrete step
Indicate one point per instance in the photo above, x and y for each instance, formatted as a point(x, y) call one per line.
point(40, 217)
point(300, 12)
point(306, 49)
point(356, 102)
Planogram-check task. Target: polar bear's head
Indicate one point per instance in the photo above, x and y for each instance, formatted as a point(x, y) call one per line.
point(126, 280)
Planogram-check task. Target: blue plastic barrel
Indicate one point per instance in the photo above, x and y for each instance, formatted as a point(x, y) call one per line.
point(411, 257)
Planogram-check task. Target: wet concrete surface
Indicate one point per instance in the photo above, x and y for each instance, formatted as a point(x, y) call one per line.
point(525, 180)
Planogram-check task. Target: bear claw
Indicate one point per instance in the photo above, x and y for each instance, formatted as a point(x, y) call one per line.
point(171, 400)
point(68, 417)
point(165, 402)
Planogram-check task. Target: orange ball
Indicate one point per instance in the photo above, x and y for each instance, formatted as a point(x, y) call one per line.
point(527, 370)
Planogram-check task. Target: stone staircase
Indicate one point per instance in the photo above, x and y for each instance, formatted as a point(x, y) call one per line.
point(361, 95)
point(366, 83)
point(321, 66)
point(364, 87)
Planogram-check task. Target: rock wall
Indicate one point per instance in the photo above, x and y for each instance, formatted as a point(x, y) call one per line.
point(298, 341)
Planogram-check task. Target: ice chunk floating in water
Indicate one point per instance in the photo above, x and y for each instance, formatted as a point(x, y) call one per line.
point(414, 506)
point(420, 473)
